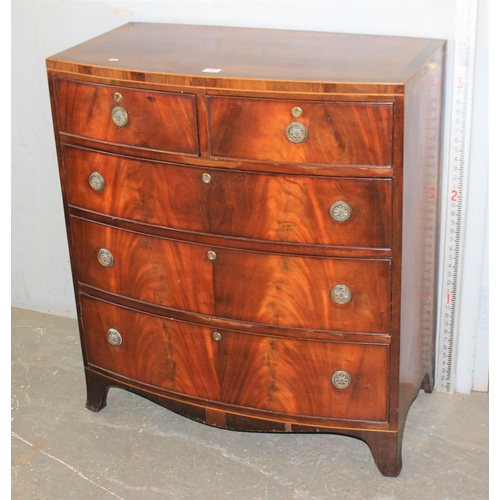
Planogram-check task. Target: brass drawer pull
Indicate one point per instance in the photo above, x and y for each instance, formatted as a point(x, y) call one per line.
point(341, 379)
point(105, 258)
point(117, 97)
point(341, 294)
point(206, 178)
point(114, 337)
point(340, 211)
point(297, 112)
point(296, 132)
point(119, 116)
point(217, 336)
point(96, 181)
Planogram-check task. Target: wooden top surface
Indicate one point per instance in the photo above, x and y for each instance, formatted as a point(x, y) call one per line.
point(248, 53)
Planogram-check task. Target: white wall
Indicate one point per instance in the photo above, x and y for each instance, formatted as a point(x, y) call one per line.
point(41, 277)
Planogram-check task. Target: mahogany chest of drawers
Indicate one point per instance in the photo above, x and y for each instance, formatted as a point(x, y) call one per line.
point(252, 219)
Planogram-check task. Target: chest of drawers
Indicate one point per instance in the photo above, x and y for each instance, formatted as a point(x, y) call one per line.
point(252, 219)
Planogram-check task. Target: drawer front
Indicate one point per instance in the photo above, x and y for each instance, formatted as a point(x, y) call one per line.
point(296, 292)
point(337, 133)
point(154, 270)
point(150, 349)
point(272, 289)
point(293, 209)
point(299, 377)
point(153, 120)
point(295, 376)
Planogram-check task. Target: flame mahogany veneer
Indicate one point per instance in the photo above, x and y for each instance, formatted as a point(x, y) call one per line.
point(252, 222)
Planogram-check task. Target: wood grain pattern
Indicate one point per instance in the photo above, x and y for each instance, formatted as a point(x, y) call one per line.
point(291, 291)
point(292, 209)
point(155, 270)
point(250, 58)
point(269, 373)
point(338, 133)
point(157, 120)
point(293, 376)
point(278, 290)
point(156, 351)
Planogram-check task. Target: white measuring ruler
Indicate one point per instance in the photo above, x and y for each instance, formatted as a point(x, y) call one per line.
point(456, 193)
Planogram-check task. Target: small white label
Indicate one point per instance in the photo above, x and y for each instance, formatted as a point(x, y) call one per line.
point(212, 70)
point(113, 59)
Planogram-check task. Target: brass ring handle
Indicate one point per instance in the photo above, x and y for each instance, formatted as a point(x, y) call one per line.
point(114, 337)
point(340, 211)
point(296, 132)
point(341, 294)
point(96, 181)
point(105, 258)
point(119, 116)
point(341, 379)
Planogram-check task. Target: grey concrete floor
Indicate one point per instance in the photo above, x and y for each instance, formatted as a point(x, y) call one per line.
point(134, 449)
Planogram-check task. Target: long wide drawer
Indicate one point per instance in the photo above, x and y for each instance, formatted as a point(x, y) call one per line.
point(281, 290)
point(334, 133)
point(300, 377)
point(292, 209)
point(129, 117)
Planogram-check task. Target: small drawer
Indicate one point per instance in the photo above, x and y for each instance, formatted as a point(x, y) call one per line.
point(346, 295)
point(291, 209)
point(303, 377)
point(328, 133)
point(149, 349)
point(137, 118)
point(151, 269)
